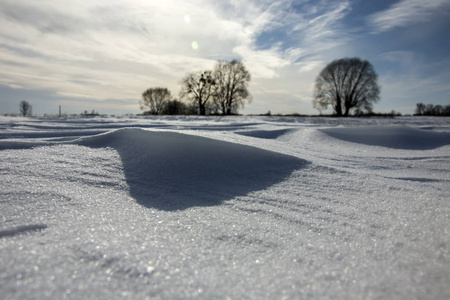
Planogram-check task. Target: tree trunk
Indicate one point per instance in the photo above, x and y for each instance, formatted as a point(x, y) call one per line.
point(202, 110)
point(338, 107)
point(223, 108)
point(347, 110)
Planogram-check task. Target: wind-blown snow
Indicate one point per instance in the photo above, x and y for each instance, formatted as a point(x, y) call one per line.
point(397, 137)
point(171, 171)
point(239, 207)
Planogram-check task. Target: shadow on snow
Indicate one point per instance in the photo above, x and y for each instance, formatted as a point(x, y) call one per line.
point(173, 171)
point(265, 134)
point(395, 137)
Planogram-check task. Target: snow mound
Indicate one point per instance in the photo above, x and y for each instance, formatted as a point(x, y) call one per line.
point(265, 134)
point(396, 137)
point(173, 171)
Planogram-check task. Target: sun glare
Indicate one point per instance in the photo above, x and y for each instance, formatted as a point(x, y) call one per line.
point(194, 45)
point(187, 19)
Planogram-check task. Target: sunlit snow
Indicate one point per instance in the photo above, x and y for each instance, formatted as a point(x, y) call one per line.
point(224, 208)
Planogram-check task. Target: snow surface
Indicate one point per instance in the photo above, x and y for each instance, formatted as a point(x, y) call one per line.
point(227, 208)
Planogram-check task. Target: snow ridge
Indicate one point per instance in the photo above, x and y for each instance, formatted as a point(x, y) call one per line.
point(173, 171)
point(224, 208)
point(396, 137)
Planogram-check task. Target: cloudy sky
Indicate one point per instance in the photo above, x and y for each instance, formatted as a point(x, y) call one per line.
point(101, 55)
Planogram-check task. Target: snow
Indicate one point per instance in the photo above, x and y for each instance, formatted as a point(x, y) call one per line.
point(172, 171)
point(397, 137)
point(235, 207)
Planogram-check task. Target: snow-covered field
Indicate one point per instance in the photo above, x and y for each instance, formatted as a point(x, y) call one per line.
point(225, 208)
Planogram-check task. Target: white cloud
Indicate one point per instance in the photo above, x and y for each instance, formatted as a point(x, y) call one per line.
point(116, 49)
point(326, 24)
point(406, 12)
point(311, 65)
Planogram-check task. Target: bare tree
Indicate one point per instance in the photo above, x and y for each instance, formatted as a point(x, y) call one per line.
point(155, 99)
point(25, 108)
point(175, 107)
point(230, 91)
point(420, 108)
point(438, 110)
point(432, 110)
point(429, 108)
point(346, 84)
point(446, 110)
point(198, 88)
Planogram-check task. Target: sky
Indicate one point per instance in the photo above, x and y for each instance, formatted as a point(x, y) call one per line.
point(102, 55)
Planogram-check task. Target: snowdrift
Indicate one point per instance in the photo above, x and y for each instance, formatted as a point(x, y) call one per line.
point(265, 134)
point(396, 137)
point(173, 171)
point(134, 213)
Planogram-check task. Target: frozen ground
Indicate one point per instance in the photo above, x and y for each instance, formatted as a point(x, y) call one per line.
point(225, 208)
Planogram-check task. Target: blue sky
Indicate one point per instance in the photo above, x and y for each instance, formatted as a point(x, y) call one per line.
point(101, 55)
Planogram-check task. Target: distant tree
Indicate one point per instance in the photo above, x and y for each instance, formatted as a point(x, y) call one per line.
point(25, 108)
point(93, 113)
point(420, 109)
point(438, 110)
point(230, 90)
point(198, 88)
point(431, 110)
point(446, 110)
point(211, 108)
point(192, 108)
point(155, 99)
point(346, 84)
point(175, 107)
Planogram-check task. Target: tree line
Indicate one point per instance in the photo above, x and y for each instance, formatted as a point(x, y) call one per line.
point(348, 85)
point(431, 110)
point(222, 90)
